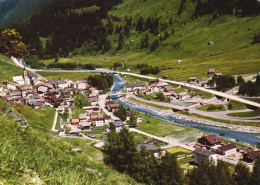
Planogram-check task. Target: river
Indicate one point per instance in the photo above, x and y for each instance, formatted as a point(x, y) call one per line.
point(249, 138)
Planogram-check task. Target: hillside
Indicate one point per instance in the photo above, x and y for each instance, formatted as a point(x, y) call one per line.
point(17, 10)
point(8, 69)
point(31, 155)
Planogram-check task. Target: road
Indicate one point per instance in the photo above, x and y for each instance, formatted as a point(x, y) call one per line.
point(55, 122)
point(102, 101)
point(217, 93)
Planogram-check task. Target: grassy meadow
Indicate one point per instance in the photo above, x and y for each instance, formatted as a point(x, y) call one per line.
point(8, 69)
point(66, 75)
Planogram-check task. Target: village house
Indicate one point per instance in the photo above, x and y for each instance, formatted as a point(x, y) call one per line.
point(193, 79)
point(154, 89)
point(75, 121)
point(113, 107)
point(217, 75)
point(129, 114)
point(228, 149)
point(183, 96)
point(210, 140)
point(26, 90)
point(62, 84)
point(84, 117)
point(91, 108)
point(19, 80)
point(93, 101)
point(107, 119)
point(108, 103)
point(211, 71)
point(82, 84)
point(134, 87)
point(251, 156)
point(154, 81)
point(11, 86)
point(85, 126)
point(97, 120)
point(61, 109)
point(203, 155)
point(151, 149)
point(117, 125)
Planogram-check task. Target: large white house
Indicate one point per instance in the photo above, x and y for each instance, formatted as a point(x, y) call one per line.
point(19, 80)
point(203, 155)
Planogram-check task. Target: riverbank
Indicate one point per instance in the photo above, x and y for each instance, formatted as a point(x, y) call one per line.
point(170, 113)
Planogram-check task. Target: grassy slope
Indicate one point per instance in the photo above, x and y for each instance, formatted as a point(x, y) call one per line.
point(232, 52)
point(66, 75)
point(8, 69)
point(30, 155)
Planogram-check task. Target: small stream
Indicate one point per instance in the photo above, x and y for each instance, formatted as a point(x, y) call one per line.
point(249, 138)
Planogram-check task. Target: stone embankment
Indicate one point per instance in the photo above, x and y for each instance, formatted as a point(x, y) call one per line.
point(240, 128)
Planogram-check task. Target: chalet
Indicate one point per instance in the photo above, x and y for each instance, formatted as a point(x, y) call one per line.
point(97, 120)
point(75, 121)
point(251, 156)
point(151, 149)
point(203, 155)
point(228, 149)
point(107, 119)
point(91, 108)
point(192, 79)
point(168, 88)
point(108, 103)
point(211, 71)
point(82, 84)
point(11, 86)
point(19, 80)
point(183, 96)
point(165, 76)
point(117, 125)
point(154, 81)
point(210, 140)
point(218, 75)
point(61, 84)
point(61, 109)
point(93, 101)
point(83, 117)
point(179, 61)
point(133, 87)
point(154, 89)
point(113, 107)
point(85, 126)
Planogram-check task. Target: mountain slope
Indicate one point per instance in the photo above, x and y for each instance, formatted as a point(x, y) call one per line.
point(17, 10)
point(8, 69)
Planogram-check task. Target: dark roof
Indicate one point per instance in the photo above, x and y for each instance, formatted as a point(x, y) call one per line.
point(213, 139)
point(228, 147)
point(136, 85)
point(253, 154)
point(154, 80)
point(148, 147)
point(92, 99)
point(203, 152)
point(118, 123)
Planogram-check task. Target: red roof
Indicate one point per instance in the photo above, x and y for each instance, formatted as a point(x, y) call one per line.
point(97, 117)
point(213, 139)
point(74, 121)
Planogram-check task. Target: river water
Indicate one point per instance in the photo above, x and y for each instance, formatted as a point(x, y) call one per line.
point(249, 138)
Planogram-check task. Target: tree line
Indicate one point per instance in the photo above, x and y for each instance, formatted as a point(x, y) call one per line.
point(249, 88)
point(121, 153)
point(101, 82)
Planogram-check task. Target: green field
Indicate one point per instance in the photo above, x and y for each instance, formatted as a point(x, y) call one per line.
point(149, 104)
point(236, 105)
point(159, 127)
point(245, 114)
point(178, 151)
point(133, 79)
point(66, 75)
point(212, 108)
point(204, 95)
point(8, 69)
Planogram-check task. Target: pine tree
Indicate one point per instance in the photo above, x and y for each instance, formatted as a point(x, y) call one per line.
point(242, 174)
point(255, 177)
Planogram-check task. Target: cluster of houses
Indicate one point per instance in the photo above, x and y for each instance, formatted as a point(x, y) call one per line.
point(156, 86)
point(203, 82)
point(207, 148)
point(33, 90)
